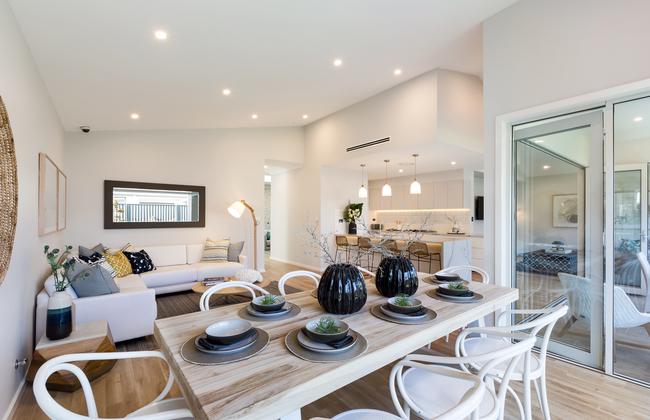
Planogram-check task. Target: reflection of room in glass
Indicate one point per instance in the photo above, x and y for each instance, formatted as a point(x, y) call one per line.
point(141, 205)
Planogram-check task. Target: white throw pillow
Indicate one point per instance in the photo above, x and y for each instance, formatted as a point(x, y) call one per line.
point(215, 251)
point(249, 276)
point(49, 288)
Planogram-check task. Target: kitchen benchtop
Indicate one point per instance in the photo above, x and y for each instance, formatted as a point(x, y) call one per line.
point(397, 233)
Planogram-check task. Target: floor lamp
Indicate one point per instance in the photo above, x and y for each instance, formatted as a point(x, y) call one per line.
point(237, 209)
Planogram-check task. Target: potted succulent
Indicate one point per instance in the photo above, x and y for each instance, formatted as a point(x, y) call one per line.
point(351, 214)
point(59, 307)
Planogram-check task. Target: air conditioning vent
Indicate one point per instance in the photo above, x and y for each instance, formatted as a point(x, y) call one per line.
point(368, 144)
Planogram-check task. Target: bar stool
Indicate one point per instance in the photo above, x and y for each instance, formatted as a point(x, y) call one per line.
point(343, 245)
point(422, 253)
point(365, 248)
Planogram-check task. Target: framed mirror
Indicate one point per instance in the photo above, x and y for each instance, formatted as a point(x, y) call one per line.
point(137, 205)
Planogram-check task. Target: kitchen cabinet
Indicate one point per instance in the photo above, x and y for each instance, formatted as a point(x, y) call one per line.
point(455, 196)
point(435, 195)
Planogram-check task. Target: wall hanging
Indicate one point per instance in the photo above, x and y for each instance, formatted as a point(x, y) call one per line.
point(52, 196)
point(8, 191)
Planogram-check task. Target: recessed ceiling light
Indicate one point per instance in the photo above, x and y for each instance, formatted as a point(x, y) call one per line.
point(135, 116)
point(546, 167)
point(305, 116)
point(538, 141)
point(160, 35)
point(226, 92)
point(638, 119)
point(400, 170)
point(254, 116)
point(337, 62)
point(397, 72)
point(453, 162)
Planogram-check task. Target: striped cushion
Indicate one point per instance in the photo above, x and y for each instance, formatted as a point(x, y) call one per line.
point(216, 251)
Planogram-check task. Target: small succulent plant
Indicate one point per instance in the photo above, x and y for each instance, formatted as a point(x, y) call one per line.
point(403, 300)
point(457, 285)
point(327, 325)
point(269, 300)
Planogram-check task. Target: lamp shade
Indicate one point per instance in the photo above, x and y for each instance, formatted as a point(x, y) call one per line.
point(386, 190)
point(416, 188)
point(236, 209)
point(363, 192)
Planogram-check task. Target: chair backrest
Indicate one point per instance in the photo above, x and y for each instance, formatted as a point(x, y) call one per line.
point(578, 292)
point(510, 355)
point(366, 271)
point(459, 269)
point(204, 302)
point(341, 240)
point(418, 248)
point(626, 314)
point(645, 269)
point(390, 245)
point(298, 273)
point(64, 363)
point(364, 242)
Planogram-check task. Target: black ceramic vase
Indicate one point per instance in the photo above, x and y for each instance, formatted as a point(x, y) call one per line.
point(341, 289)
point(396, 275)
point(352, 228)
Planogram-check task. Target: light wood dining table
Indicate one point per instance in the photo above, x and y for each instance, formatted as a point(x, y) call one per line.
point(274, 383)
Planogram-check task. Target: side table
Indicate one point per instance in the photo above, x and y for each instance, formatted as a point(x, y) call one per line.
point(90, 337)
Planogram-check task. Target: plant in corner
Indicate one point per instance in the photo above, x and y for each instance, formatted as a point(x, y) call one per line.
point(351, 214)
point(59, 307)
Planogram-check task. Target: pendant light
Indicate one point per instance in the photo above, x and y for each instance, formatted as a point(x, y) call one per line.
point(386, 190)
point(363, 192)
point(416, 188)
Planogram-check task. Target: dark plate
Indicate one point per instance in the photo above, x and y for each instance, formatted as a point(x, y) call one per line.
point(207, 347)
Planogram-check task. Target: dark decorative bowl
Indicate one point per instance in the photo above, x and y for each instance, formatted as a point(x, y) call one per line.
point(228, 331)
point(341, 289)
point(448, 277)
point(415, 306)
point(396, 275)
point(259, 306)
point(446, 290)
point(310, 331)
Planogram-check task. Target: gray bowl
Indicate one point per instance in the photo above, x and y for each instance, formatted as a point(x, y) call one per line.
point(310, 331)
point(415, 306)
point(446, 290)
point(260, 307)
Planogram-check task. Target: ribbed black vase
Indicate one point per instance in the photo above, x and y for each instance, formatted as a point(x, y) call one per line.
point(341, 289)
point(396, 275)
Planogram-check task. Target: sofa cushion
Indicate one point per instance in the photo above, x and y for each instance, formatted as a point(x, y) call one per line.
point(120, 263)
point(165, 255)
point(234, 251)
point(87, 252)
point(169, 275)
point(194, 253)
point(93, 281)
point(140, 261)
point(131, 283)
point(215, 250)
point(216, 269)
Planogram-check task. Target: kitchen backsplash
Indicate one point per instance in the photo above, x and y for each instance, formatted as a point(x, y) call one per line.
point(435, 220)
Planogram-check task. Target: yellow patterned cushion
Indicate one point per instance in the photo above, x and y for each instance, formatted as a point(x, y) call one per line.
point(120, 264)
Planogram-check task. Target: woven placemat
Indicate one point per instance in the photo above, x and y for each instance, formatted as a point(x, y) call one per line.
point(190, 354)
point(8, 191)
point(434, 294)
point(431, 315)
point(293, 311)
point(291, 341)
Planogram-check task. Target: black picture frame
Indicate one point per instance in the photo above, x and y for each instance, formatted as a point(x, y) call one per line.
point(109, 223)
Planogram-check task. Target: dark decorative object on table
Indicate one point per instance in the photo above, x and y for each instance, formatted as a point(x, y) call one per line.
point(342, 289)
point(59, 307)
point(396, 275)
point(352, 228)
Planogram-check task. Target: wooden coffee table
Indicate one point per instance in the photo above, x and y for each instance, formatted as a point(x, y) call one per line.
point(89, 337)
point(201, 288)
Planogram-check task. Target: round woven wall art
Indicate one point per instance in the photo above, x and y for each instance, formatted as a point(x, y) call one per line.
point(8, 191)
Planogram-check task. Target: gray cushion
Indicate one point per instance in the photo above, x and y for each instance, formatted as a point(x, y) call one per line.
point(234, 249)
point(87, 252)
point(92, 281)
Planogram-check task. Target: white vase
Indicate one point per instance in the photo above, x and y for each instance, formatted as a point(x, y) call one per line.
point(59, 316)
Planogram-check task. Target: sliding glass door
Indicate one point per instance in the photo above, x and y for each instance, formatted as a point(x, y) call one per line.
point(559, 225)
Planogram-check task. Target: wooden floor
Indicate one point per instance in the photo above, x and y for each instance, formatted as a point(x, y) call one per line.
point(574, 392)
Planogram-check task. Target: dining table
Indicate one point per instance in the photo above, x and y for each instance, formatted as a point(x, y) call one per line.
point(275, 384)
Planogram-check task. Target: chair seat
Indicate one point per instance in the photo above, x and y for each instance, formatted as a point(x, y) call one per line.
point(483, 345)
point(437, 394)
point(365, 414)
point(163, 407)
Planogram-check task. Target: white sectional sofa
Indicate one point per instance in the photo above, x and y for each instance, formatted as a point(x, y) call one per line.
point(131, 312)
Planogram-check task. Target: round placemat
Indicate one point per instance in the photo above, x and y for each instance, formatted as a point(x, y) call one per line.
point(431, 315)
point(291, 341)
point(435, 282)
point(191, 354)
point(434, 294)
point(244, 314)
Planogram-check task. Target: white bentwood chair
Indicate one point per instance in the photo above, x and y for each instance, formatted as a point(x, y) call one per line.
point(204, 302)
point(533, 367)
point(298, 273)
point(645, 270)
point(158, 409)
point(433, 389)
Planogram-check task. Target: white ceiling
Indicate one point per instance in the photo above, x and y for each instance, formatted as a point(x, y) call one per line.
point(101, 62)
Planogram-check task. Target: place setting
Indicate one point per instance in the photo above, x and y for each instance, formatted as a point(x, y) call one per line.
point(268, 308)
point(325, 339)
point(444, 278)
point(456, 292)
point(224, 342)
point(403, 309)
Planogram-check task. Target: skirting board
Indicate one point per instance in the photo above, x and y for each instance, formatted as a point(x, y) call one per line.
point(301, 265)
point(12, 404)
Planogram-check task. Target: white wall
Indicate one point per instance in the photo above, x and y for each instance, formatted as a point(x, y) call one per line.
point(228, 162)
point(537, 52)
point(36, 128)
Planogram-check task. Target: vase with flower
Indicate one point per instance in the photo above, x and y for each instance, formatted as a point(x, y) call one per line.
point(59, 307)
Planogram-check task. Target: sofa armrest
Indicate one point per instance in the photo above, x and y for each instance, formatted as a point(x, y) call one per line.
point(243, 259)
